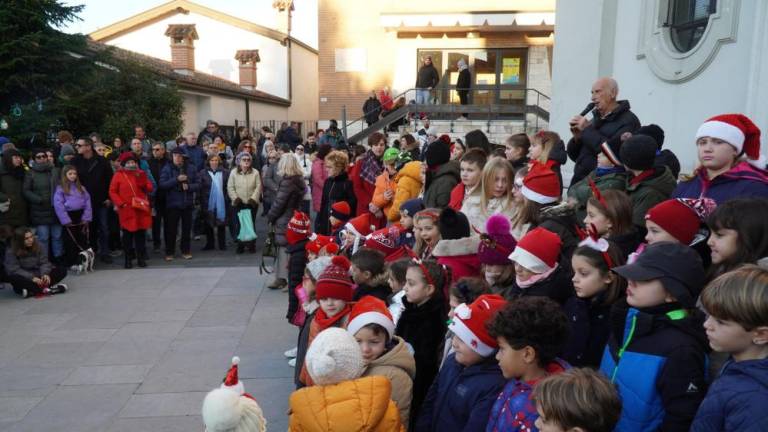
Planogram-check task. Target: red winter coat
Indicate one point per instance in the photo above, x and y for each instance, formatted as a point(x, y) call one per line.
point(125, 185)
point(457, 196)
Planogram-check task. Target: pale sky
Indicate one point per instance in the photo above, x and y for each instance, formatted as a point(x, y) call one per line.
point(101, 13)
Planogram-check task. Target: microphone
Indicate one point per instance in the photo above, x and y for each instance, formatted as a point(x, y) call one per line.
point(590, 106)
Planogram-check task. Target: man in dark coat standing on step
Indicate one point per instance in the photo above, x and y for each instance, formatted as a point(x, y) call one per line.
point(610, 118)
point(95, 173)
point(426, 80)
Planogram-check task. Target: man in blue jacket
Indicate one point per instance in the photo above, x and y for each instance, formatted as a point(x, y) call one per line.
point(179, 181)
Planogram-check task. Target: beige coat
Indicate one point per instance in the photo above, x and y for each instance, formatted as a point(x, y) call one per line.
point(245, 186)
point(399, 367)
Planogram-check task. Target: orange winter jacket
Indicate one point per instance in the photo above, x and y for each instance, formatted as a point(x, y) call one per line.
point(409, 185)
point(383, 184)
point(361, 405)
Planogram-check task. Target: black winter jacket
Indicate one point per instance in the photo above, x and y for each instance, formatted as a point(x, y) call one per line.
point(372, 110)
point(206, 183)
point(557, 287)
point(584, 150)
point(427, 77)
point(423, 327)
point(39, 184)
point(155, 167)
point(95, 174)
point(335, 189)
point(464, 81)
point(589, 321)
point(561, 220)
point(290, 193)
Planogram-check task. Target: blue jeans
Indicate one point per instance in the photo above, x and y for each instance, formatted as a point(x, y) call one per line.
point(100, 226)
point(52, 232)
point(423, 96)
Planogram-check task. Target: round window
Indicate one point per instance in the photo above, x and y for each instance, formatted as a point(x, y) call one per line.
point(687, 20)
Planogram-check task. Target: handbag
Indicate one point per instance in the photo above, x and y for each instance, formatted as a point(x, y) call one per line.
point(270, 250)
point(137, 202)
point(247, 232)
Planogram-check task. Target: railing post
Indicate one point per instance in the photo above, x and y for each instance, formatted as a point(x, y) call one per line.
point(538, 105)
point(344, 121)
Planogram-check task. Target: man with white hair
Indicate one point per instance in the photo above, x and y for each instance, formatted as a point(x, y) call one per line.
point(610, 118)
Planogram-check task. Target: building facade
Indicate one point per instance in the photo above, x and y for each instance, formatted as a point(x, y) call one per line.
point(366, 46)
point(678, 62)
point(228, 69)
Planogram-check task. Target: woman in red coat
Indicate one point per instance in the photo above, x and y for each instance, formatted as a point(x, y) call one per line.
point(363, 175)
point(129, 191)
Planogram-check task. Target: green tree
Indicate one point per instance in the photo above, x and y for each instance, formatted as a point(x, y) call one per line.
point(50, 80)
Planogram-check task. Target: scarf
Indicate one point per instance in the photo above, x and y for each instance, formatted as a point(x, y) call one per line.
point(371, 167)
point(534, 279)
point(601, 171)
point(216, 197)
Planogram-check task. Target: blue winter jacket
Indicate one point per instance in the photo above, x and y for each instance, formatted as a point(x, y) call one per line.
point(461, 398)
point(514, 409)
point(741, 181)
point(196, 156)
point(657, 358)
point(175, 196)
point(737, 400)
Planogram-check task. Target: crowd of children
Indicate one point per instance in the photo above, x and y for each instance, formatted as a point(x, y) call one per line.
point(502, 307)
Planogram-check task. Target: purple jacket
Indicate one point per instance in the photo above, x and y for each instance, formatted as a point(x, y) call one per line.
point(74, 200)
point(741, 181)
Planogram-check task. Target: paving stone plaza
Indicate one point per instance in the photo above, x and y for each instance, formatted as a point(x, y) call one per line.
point(137, 350)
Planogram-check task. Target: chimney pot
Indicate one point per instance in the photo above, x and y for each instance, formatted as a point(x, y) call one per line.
point(183, 38)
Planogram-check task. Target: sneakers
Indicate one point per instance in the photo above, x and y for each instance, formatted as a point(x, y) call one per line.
point(169, 257)
point(291, 353)
point(59, 288)
point(24, 293)
point(186, 256)
point(292, 362)
point(277, 284)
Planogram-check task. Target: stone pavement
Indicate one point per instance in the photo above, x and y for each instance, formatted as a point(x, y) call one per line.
point(137, 350)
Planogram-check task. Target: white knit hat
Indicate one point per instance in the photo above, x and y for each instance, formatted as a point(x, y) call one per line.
point(226, 411)
point(318, 265)
point(334, 356)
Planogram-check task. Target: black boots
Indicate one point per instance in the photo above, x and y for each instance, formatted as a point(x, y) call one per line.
point(128, 258)
point(141, 260)
point(240, 247)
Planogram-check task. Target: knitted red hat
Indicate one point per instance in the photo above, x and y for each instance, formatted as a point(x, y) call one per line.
point(340, 210)
point(370, 310)
point(387, 241)
point(299, 228)
point(126, 156)
point(469, 323)
point(737, 130)
point(541, 184)
point(682, 217)
point(362, 225)
point(334, 281)
point(538, 250)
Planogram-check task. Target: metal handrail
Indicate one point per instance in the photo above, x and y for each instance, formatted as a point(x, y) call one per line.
point(535, 109)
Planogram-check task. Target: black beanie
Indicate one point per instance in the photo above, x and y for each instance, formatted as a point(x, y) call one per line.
point(653, 131)
point(437, 154)
point(639, 152)
point(453, 225)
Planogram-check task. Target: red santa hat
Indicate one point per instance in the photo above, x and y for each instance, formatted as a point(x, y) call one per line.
point(737, 130)
point(317, 242)
point(538, 251)
point(299, 228)
point(469, 323)
point(541, 184)
point(370, 310)
point(231, 380)
point(360, 226)
point(334, 281)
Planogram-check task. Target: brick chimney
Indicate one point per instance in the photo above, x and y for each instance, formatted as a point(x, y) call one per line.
point(248, 60)
point(285, 10)
point(183, 38)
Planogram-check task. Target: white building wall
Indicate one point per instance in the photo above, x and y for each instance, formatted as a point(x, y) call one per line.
point(592, 40)
point(215, 50)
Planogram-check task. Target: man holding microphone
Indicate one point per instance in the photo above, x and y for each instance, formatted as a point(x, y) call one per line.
point(610, 118)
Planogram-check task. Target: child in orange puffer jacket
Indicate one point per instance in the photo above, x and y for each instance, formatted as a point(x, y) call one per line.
point(384, 193)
